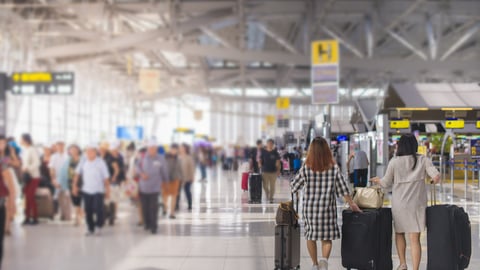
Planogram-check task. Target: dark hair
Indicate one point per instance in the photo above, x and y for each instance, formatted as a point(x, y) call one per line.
point(174, 146)
point(408, 146)
point(8, 147)
point(27, 138)
point(187, 148)
point(131, 146)
point(78, 148)
point(259, 142)
point(271, 141)
point(319, 157)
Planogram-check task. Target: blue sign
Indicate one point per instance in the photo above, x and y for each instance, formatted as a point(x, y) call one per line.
point(130, 133)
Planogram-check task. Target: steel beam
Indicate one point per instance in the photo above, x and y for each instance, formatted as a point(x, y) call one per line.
point(212, 34)
point(464, 38)
point(432, 41)
point(407, 44)
point(278, 38)
point(343, 41)
point(369, 38)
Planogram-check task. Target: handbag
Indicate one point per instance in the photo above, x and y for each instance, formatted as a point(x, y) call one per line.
point(368, 197)
point(286, 213)
point(26, 178)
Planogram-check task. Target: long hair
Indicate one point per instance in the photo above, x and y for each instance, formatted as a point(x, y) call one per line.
point(408, 146)
point(319, 156)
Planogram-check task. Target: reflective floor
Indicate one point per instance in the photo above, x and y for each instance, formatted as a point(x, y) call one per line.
point(223, 232)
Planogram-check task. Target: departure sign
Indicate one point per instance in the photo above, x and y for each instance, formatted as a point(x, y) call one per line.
point(400, 124)
point(451, 124)
point(42, 83)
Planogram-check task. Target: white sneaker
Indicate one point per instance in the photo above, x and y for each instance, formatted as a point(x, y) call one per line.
point(315, 267)
point(323, 265)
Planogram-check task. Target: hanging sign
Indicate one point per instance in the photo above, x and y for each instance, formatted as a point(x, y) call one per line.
point(325, 71)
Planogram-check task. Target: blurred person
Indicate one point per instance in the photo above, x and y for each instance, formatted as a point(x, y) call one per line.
point(202, 162)
point(188, 173)
point(61, 193)
point(46, 179)
point(68, 175)
point(322, 181)
point(171, 186)
point(255, 157)
point(406, 175)
point(95, 188)
point(270, 163)
point(153, 171)
point(8, 158)
point(116, 168)
point(31, 178)
point(229, 156)
point(360, 166)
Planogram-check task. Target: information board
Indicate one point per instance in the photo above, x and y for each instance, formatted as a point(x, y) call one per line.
point(42, 83)
point(325, 71)
point(283, 103)
point(400, 124)
point(454, 124)
point(475, 149)
point(130, 133)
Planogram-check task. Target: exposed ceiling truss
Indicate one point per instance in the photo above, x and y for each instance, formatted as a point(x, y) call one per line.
point(262, 44)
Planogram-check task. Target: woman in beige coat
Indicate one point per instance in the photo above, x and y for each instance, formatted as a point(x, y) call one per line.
point(188, 172)
point(406, 175)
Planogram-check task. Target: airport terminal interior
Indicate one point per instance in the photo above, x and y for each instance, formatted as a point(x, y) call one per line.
point(169, 134)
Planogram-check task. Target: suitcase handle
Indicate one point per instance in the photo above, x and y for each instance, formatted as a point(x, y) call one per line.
point(433, 193)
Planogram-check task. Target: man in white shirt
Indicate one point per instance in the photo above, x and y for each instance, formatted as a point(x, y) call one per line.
point(95, 188)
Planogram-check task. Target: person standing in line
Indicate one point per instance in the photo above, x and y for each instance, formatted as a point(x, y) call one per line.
point(95, 189)
point(152, 169)
point(321, 181)
point(255, 157)
point(31, 178)
point(270, 162)
point(188, 172)
point(171, 186)
point(68, 174)
point(203, 162)
point(8, 159)
point(406, 175)
point(360, 166)
point(55, 164)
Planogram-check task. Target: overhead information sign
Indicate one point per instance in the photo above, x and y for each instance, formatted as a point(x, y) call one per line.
point(283, 103)
point(400, 124)
point(325, 71)
point(478, 124)
point(42, 83)
point(130, 133)
point(270, 120)
point(475, 149)
point(454, 124)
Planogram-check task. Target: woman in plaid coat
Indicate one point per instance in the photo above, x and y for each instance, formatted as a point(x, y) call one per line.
point(322, 181)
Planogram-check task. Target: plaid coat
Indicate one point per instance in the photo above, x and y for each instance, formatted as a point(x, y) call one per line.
point(319, 201)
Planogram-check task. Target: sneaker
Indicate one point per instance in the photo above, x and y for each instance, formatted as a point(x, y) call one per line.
point(323, 265)
point(26, 222)
point(315, 267)
point(172, 217)
point(34, 222)
point(89, 233)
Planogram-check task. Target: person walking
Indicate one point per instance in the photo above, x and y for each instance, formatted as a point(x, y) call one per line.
point(406, 176)
point(152, 169)
point(188, 172)
point(255, 157)
point(360, 167)
point(68, 173)
point(55, 165)
point(116, 168)
point(270, 163)
point(203, 162)
point(321, 181)
point(31, 178)
point(95, 189)
point(171, 186)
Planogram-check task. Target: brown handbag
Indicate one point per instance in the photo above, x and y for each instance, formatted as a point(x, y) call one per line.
point(368, 197)
point(286, 214)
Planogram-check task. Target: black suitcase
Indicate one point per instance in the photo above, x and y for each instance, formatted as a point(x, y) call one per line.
point(255, 188)
point(287, 243)
point(367, 239)
point(449, 237)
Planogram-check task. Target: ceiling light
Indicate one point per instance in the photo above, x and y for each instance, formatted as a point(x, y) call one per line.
point(412, 109)
point(457, 109)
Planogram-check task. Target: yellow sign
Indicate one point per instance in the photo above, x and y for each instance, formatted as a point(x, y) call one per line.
point(32, 77)
point(270, 119)
point(149, 80)
point(184, 130)
point(400, 124)
point(422, 150)
point(325, 52)
point(283, 103)
point(455, 124)
point(478, 124)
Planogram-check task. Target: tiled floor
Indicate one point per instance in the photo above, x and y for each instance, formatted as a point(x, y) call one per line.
point(223, 232)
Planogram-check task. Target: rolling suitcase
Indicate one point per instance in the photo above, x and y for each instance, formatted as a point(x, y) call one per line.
point(245, 181)
point(255, 188)
point(449, 236)
point(367, 239)
point(44, 201)
point(287, 243)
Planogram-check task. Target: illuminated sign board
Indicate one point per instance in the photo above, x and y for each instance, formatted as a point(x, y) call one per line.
point(478, 124)
point(400, 124)
point(451, 124)
point(42, 83)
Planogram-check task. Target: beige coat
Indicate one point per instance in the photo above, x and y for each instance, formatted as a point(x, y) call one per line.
point(409, 192)
point(188, 168)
